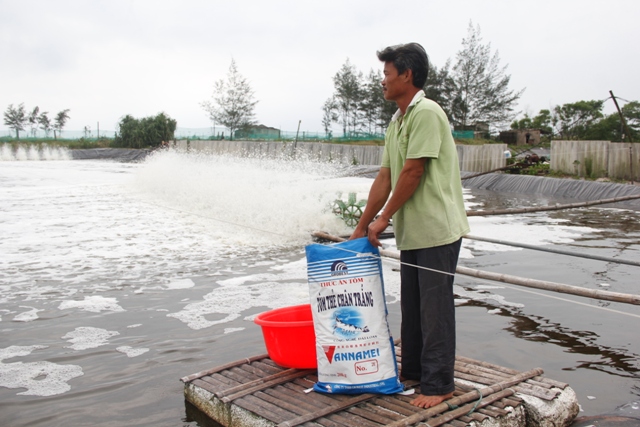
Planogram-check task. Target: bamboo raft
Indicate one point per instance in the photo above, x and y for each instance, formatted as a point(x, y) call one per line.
point(257, 392)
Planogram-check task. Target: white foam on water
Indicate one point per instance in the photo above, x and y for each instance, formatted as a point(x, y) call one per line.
point(231, 330)
point(70, 226)
point(486, 297)
point(285, 285)
point(546, 232)
point(85, 337)
point(93, 304)
point(180, 284)
point(38, 378)
point(27, 316)
point(131, 352)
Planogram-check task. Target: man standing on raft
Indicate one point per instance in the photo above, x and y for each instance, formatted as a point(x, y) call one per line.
point(420, 171)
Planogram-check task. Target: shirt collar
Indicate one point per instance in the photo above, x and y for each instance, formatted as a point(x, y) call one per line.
point(417, 97)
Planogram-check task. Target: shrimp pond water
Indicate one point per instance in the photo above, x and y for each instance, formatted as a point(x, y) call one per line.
point(117, 279)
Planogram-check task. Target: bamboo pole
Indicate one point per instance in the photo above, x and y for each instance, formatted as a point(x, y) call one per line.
point(513, 166)
point(521, 281)
point(518, 165)
point(551, 286)
point(555, 251)
point(553, 208)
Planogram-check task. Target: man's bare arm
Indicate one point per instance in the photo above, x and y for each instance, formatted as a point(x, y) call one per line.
point(378, 195)
point(408, 181)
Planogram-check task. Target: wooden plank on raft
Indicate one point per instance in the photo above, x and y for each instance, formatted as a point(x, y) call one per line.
point(469, 408)
point(509, 371)
point(267, 410)
point(222, 367)
point(278, 396)
point(328, 410)
point(260, 384)
point(467, 397)
point(471, 374)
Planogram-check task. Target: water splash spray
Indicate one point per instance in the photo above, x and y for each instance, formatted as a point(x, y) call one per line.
point(25, 152)
point(250, 199)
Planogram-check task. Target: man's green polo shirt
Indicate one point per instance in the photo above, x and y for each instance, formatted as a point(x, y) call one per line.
point(435, 213)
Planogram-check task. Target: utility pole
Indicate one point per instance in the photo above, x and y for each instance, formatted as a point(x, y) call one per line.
point(295, 145)
point(626, 129)
point(624, 122)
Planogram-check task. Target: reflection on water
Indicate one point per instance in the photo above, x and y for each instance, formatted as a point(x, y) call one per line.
point(613, 361)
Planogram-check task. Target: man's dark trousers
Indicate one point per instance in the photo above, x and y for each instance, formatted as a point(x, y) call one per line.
point(428, 329)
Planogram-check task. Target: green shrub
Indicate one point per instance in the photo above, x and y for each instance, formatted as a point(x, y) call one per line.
point(146, 132)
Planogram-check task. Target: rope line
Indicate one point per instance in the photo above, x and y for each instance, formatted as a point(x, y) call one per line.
point(476, 404)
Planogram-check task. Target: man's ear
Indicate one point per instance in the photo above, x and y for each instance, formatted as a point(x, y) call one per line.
point(408, 75)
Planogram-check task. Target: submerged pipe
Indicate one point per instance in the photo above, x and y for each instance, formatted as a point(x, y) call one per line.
point(516, 280)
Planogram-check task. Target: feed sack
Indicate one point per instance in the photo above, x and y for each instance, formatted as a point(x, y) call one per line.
point(354, 346)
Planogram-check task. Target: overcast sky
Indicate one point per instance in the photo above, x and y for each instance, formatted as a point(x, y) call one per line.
point(103, 59)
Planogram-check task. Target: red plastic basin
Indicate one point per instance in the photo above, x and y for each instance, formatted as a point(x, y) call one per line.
point(289, 336)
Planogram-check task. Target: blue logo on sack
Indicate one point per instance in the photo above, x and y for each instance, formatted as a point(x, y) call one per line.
point(339, 268)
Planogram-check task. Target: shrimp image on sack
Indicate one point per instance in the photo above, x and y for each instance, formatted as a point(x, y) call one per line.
point(348, 323)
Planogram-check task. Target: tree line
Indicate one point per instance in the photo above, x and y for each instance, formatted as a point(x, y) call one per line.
point(585, 120)
point(473, 91)
point(17, 118)
point(132, 132)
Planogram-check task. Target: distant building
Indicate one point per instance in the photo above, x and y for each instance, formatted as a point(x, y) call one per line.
point(477, 130)
point(520, 137)
point(257, 132)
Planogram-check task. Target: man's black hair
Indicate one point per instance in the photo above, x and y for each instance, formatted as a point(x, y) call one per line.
point(410, 56)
